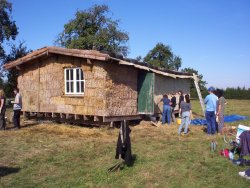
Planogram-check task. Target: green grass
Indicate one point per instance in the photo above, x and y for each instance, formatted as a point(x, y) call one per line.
point(51, 155)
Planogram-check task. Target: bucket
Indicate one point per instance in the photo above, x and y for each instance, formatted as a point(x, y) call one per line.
point(178, 121)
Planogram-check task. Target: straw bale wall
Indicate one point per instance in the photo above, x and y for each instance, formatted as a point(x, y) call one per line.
point(110, 89)
point(42, 87)
point(121, 90)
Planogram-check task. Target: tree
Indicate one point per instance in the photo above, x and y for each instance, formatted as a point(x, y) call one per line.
point(202, 83)
point(163, 57)
point(94, 29)
point(177, 62)
point(8, 31)
point(15, 53)
point(8, 28)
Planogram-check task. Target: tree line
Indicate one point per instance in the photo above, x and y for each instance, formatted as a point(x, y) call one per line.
point(229, 93)
point(237, 93)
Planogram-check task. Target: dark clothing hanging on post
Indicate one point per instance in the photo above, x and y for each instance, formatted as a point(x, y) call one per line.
point(123, 148)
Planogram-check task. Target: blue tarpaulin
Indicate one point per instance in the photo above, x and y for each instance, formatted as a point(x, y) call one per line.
point(227, 119)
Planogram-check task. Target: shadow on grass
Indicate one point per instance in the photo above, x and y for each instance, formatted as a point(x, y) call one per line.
point(4, 171)
point(134, 157)
point(121, 164)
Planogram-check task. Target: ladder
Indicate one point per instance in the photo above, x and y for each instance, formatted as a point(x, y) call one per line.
point(196, 83)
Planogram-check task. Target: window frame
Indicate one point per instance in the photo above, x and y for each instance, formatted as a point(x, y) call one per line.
point(73, 79)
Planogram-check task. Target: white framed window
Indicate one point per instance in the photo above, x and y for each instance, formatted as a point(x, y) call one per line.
point(74, 81)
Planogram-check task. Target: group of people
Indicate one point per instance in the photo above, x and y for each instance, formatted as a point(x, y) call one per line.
point(169, 105)
point(215, 107)
point(185, 111)
point(17, 106)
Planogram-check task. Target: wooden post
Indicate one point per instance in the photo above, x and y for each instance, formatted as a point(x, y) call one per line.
point(196, 83)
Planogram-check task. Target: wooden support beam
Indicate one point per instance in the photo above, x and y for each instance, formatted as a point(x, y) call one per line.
point(48, 114)
point(86, 118)
point(55, 115)
point(40, 114)
point(78, 117)
point(18, 67)
point(69, 116)
point(89, 61)
point(33, 114)
point(96, 118)
point(62, 115)
point(26, 114)
point(111, 124)
point(120, 118)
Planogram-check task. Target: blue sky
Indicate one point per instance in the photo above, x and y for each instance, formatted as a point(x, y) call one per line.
point(211, 36)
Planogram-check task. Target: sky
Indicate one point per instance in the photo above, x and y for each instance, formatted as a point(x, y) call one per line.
point(211, 36)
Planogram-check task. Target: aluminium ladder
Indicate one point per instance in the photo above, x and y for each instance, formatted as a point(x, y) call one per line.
point(196, 83)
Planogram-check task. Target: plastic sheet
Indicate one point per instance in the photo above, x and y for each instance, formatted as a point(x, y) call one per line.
point(227, 119)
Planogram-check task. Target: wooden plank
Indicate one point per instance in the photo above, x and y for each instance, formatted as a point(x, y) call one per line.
point(120, 118)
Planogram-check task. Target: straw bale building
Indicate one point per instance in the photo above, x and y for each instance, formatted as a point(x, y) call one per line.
point(88, 85)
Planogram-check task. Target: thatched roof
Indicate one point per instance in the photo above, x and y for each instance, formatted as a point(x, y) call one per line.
point(96, 55)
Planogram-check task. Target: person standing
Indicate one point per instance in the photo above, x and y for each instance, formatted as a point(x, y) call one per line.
point(181, 98)
point(2, 110)
point(210, 101)
point(17, 108)
point(186, 114)
point(173, 105)
point(166, 112)
point(220, 110)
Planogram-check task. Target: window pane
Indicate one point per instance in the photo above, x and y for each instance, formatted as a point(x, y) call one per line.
point(71, 74)
point(82, 86)
point(67, 74)
point(72, 87)
point(81, 72)
point(67, 86)
point(77, 74)
point(77, 87)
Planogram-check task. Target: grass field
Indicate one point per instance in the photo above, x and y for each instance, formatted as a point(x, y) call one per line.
point(52, 155)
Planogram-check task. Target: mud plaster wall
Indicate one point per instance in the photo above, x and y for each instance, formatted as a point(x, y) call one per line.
point(168, 85)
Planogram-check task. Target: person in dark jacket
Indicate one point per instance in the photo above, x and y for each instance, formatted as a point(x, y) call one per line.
point(181, 98)
point(166, 110)
point(123, 148)
point(173, 105)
